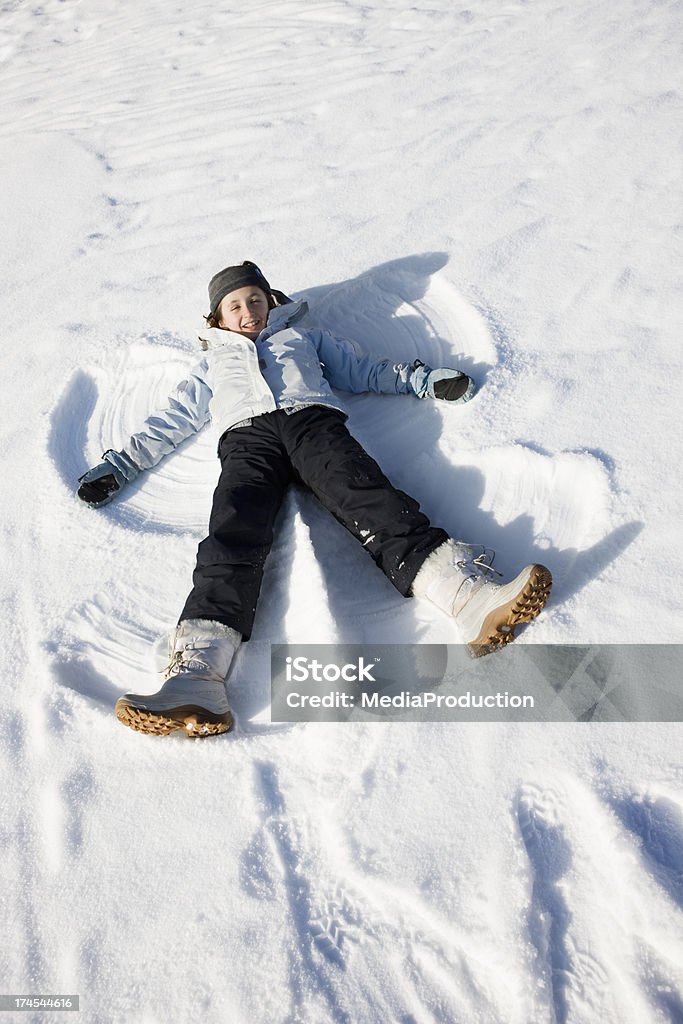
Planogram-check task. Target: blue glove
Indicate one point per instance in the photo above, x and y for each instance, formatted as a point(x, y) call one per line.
point(446, 385)
point(101, 484)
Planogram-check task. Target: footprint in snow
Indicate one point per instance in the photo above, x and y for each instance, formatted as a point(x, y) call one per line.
point(539, 815)
point(334, 921)
point(657, 823)
point(351, 933)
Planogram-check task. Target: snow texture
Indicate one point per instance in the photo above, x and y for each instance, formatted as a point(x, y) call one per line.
point(494, 187)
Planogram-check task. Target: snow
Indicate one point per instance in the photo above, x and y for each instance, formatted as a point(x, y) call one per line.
point(495, 187)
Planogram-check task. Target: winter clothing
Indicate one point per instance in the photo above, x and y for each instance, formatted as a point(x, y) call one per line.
point(100, 485)
point(239, 379)
point(259, 462)
point(193, 697)
point(447, 385)
point(282, 423)
point(457, 579)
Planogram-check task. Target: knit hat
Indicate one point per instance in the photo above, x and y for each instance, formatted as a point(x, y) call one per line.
point(231, 278)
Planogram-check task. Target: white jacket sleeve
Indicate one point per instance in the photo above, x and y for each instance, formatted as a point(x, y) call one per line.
point(186, 413)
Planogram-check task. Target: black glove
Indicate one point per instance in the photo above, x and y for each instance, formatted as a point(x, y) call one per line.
point(453, 389)
point(99, 485)
point(446, 385)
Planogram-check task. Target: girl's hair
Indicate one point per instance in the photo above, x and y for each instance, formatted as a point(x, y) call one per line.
point(275, 298)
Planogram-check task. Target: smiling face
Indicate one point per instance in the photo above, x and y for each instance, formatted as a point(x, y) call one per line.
point(244, 311)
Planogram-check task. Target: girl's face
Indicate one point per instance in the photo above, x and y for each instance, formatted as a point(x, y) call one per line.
point(244, 311)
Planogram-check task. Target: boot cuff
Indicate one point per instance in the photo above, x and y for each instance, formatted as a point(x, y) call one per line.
point(434, 567)
point(209, 629)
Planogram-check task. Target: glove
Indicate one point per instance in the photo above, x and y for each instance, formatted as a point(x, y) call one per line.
point(446, 385)
point(100, 485)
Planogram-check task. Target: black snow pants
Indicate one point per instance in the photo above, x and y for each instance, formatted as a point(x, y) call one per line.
point(311, 446)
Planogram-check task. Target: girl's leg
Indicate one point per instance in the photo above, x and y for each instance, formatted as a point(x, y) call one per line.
point(255, 473)
point(220, 609)
point(399, 537)
point(348, 482)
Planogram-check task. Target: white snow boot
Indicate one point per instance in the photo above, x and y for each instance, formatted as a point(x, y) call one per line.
point(456, 577)
point(193, 697)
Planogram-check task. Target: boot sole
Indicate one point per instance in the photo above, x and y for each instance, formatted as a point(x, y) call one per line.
point(192, 719)
point(499, 626)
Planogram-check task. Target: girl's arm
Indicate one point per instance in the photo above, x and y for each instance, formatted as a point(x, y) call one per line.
point(187, 412)
point(347, 369)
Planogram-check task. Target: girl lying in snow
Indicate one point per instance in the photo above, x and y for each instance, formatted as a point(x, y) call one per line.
point(265, 378)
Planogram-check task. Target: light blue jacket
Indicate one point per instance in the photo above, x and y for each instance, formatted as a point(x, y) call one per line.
point(288, 366)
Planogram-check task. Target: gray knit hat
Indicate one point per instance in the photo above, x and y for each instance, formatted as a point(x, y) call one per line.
point(231, 278)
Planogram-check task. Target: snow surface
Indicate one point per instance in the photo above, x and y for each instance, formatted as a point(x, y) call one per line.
point(494, 186)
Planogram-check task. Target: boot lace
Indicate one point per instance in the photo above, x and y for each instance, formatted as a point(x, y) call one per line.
point(185, 659)
point(482, 564)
